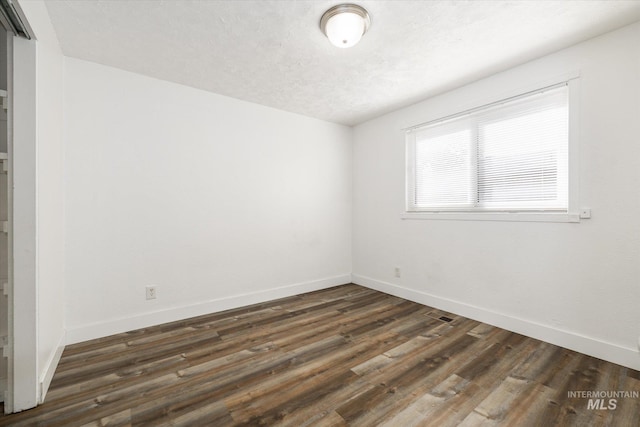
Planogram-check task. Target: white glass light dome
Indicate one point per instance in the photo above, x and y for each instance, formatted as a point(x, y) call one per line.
point(345, 24)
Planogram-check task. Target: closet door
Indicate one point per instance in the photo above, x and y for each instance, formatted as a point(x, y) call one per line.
point(4, 222)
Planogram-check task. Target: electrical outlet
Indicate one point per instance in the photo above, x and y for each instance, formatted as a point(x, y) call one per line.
point(151, 292)
point(397, 272)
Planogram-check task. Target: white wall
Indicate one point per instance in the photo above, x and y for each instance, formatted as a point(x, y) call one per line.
point(576, 285)
point(49, 204)
point(217, 202)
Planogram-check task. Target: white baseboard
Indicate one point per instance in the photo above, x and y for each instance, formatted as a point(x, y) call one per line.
point(50, 368)
point(614, 353)
point(115, 326)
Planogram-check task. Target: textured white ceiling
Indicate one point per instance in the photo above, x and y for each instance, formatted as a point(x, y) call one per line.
point(273, 52)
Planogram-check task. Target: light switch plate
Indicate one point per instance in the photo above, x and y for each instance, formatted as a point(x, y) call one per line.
point(585, 213)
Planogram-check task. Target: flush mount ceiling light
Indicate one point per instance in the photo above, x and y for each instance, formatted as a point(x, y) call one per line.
point(345, 24)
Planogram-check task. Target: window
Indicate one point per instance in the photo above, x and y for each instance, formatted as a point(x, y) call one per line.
point(509, 156)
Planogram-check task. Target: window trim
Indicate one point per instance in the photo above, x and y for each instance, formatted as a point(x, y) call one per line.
point(571, 215)
point(541, 216)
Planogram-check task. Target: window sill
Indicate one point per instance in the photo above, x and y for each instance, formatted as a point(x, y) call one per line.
point(494, 216)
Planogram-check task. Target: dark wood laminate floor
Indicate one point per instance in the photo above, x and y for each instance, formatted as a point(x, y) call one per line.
point(345, 356)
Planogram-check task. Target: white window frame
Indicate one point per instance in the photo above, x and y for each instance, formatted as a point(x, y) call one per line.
point(571, 215)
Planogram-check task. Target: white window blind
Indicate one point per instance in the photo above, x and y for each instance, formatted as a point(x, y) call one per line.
point(508, 156)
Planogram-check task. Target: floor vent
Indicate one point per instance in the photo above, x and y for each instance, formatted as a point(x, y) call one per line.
point(445, 318)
